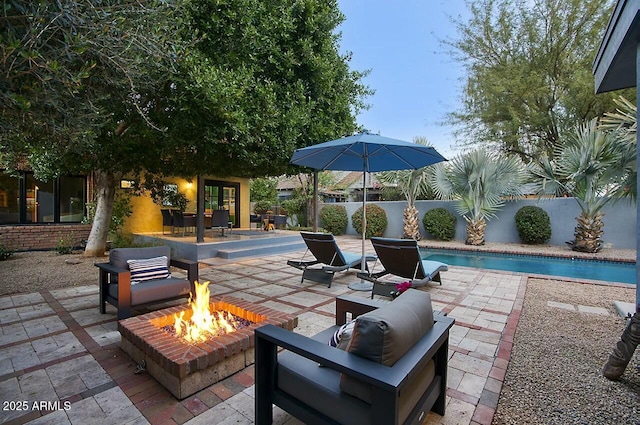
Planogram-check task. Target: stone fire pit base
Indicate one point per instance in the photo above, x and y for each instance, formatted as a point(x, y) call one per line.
point(185, 369)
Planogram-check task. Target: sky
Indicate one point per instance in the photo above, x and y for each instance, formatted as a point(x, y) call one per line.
point(416, 81)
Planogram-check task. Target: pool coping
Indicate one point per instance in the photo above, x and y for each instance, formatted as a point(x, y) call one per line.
point(574, 255)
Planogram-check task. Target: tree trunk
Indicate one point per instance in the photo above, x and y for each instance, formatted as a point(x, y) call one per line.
point(622, 353)
point(588, 233)
point(105, 194)
point(411, 224)
point(475, 231)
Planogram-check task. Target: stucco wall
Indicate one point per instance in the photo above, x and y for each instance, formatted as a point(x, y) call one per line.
point(147, 218)
point(619, 220)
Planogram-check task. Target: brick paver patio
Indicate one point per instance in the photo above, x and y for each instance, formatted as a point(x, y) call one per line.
point(60, 362)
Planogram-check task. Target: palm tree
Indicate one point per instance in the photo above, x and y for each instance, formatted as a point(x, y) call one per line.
point(480, 182)
point(412, 184)
point(623, 123)
point(594, 166)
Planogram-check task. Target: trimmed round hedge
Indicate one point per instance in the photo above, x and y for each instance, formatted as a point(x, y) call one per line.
point(334, 219)
point(440, 223)
point(376, 221)
point(533, 224)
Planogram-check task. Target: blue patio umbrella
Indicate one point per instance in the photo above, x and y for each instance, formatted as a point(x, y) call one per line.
point(366, 152)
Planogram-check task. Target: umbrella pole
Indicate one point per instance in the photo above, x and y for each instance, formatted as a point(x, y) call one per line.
point(362, 285)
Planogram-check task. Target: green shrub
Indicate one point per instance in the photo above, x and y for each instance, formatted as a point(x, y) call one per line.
point(334, 219)
point(5, 252)
point(65, 245)
point(261, 206)
point(440, 223)
point(533, 224)
point(376, 221)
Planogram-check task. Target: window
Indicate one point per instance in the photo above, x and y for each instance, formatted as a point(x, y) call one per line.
point(72, 199)
point(9, 199)
point(170, 191)
point(26, 200)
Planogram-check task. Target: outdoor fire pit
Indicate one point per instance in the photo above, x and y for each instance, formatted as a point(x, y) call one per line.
point(185, 368)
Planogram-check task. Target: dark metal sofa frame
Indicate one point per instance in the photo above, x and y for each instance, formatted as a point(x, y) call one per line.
point(387, 382)
point(111, 274)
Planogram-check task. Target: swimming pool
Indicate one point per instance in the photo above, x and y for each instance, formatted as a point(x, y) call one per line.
point(577, 268)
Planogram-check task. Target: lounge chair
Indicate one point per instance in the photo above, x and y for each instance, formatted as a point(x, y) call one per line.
point(401, 257)
point(324, 248)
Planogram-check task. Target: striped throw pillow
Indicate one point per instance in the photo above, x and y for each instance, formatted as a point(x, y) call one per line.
point(148, 269)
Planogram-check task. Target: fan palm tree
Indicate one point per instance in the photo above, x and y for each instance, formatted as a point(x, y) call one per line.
point(594, 166)
point(624, 125)
point(480, 182)
point(412, 184)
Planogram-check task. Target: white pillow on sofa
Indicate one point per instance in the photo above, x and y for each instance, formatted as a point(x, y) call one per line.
point(148, 269)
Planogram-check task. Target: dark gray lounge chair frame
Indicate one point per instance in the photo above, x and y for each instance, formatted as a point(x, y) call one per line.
point(112, 274)
point(387, 382)
point(399, 257)
point(324, 248)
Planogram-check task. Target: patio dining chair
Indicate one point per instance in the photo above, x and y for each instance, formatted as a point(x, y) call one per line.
point(219, 221)
point(184, 221)
point(328, 255)
point(167, 219)
point(401, 258)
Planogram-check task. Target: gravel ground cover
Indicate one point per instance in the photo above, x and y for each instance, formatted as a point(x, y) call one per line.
point(36, 270)
point(555, 372)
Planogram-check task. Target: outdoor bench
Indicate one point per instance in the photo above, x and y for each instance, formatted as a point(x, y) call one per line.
point(393, 370)
point(119, 289)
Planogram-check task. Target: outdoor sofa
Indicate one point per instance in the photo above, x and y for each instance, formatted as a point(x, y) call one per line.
point(137, 277)
point(391, 370)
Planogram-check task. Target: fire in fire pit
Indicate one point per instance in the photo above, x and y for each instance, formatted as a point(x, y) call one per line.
point(203, 324)
point(185, 368)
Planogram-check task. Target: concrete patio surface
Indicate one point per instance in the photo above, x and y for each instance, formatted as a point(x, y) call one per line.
point(60, 362)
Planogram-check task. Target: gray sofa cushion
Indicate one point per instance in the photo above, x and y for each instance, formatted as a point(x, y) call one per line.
point(119, 256)
point(155, 290)
point(319, 387)
point(385, 335)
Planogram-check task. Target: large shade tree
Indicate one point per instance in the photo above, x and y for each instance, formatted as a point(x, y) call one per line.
point(173, 88)
point(480, 182)
point(528, 72)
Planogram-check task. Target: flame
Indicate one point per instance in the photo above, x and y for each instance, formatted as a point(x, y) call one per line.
point(203, 323)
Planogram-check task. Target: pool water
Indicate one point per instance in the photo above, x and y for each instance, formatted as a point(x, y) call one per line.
point(584, 269)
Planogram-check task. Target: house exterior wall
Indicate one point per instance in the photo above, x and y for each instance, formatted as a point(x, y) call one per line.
point(42, 237)
point(619, 220)
point(147, 218)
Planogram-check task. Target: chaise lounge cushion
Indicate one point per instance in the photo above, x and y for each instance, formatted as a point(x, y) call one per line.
point(386, 334)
